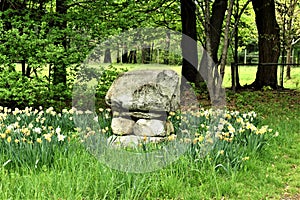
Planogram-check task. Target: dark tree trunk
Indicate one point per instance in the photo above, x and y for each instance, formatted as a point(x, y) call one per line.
point(219, 8)
point(189, 42)
point(268, 42)
point(107, 56)
point(146, 54)
point(28, 71)
point(125, 54)
point(118, 54)
point(60, 68)
point(132, 57)
point(23, 64)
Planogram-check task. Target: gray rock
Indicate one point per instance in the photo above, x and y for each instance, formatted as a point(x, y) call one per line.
point(145, 90)
point(131, 140)
point(149, 127)
point(122, 126)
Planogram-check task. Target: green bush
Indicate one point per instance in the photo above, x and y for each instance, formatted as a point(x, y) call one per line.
point(20, 91)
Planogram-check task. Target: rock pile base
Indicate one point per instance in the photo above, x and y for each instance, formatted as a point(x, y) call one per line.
point(141, 101)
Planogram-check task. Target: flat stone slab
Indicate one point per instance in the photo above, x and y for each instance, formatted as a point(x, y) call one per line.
point(154, 115)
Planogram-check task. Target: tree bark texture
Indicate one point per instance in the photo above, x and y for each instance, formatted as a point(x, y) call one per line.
point(189, 42)
point(219, 8)
point(107, 56)
point(268, 42)
point(60, 68)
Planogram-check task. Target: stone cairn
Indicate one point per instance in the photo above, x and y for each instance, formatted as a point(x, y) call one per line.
point(141, 101)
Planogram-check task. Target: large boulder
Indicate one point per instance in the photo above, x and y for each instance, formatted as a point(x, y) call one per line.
point(146, 91)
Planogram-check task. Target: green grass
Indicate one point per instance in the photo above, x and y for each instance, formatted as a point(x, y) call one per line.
point(78, 175)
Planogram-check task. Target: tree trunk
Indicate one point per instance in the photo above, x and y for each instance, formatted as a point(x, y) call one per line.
point(288, 61)
point(189, 42)
point(146, 51)
point(60, 68)
point(268, 42)
point(125, 54)
point(107, 56)
point(209, 66)
point(213, 28)
point(118, 54)
point(23, 64)
point(226, 42)
point(167, 48)
point(132, 57)
point(28, 71)
point(219, 8)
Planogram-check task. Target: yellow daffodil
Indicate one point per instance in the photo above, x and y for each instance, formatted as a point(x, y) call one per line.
point(39, 140)
point(200, 138)
point(245, 158)
point(25, 131)
point(145, 138)
point(47, 137)
point(172, 137)
point(7, 131)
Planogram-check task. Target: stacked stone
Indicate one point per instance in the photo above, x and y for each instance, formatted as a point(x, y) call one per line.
point(141, 101)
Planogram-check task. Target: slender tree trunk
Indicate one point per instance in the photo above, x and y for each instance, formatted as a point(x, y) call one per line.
point(226, 42)
point(118, 54)
point(268, 42)
point(290, 21)
point(23, 63)
point(167, 48)
point(28, 71)
point(288, 61)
